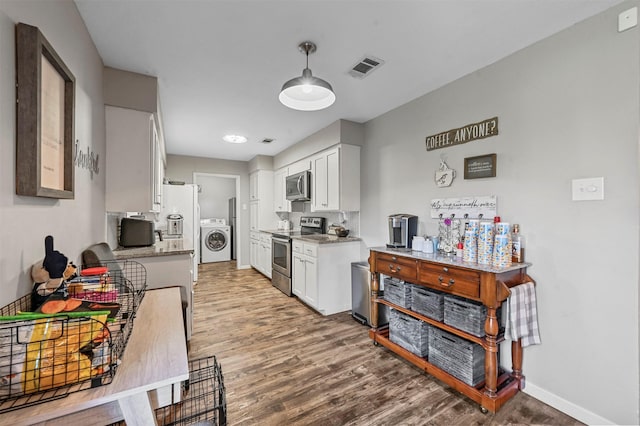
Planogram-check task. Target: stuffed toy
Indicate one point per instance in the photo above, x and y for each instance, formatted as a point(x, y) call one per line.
point(49, 274)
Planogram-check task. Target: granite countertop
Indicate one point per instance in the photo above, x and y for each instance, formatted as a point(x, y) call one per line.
point(325, 239)
point(167, 247)
point(448, 260)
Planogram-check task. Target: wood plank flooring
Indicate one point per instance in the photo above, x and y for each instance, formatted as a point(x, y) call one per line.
point(285, 364)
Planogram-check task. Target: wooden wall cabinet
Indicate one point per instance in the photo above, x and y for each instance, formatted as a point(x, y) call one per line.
point(469, 280)
point(134, 165)
point(336, 179)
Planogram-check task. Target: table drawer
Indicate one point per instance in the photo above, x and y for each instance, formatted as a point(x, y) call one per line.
point(396, 266)
point(450, 279)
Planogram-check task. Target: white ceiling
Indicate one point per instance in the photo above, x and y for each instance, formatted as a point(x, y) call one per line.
point(221, 64)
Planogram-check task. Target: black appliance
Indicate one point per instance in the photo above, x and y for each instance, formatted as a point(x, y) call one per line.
point(281, 272)
point(137, 232)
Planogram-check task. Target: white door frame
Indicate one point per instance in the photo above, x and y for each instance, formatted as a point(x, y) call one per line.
point(237, 240)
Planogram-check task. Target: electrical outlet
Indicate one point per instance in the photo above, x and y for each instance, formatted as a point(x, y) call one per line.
point(587, 189)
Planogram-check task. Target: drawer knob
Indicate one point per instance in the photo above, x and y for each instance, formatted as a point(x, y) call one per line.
point(449, 284)
point(394, 268)
point(445, 269)
point(440, 279)
point(394, 258)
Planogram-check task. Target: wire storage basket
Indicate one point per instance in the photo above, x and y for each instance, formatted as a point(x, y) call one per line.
point(68, 344)
point(129, 271)
point(203, 397)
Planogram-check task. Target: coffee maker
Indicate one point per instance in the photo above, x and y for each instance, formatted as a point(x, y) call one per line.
point(402, 229)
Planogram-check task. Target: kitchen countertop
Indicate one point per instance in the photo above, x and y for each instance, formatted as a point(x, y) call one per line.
point(325, 239)
point(312, 238)
point(448, 260)
point(167, 247)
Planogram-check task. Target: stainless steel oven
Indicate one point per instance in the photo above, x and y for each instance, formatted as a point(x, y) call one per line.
point(281, 263)
point(281, 273)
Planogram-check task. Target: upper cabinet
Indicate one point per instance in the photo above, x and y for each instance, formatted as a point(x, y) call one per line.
point(261, 200)
point(134, 164)
point(280, 202)
point(336, 179)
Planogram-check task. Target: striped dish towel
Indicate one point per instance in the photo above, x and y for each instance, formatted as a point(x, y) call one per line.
point(522, 315)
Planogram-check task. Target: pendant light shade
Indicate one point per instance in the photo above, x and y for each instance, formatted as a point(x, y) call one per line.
point(307, 93)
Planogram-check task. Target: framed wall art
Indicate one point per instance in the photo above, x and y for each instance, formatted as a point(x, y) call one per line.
point(45, 90)
point(482, 166)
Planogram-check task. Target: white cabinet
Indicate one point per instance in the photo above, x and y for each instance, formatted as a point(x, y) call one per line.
point(254, 244)
point(322, 274)
point(280, 202)
point(170, 271)
point(260, 252)
point(265, 254)
point(304, 273)
point(261, 214)
point(254, 207)
point(336, 179)
point(134, 165)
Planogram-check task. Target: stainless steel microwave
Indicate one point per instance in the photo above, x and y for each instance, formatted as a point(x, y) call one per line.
point(298, 186)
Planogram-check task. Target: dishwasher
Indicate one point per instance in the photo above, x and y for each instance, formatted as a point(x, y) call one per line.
point(361, 296)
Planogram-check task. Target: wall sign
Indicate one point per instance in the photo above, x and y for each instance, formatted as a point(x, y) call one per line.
point(87, 160)
point(468, 133)
point(482, 166)
point(473, 207)
point(444, 176)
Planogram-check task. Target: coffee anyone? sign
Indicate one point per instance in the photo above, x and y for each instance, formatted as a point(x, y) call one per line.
point(468, 133)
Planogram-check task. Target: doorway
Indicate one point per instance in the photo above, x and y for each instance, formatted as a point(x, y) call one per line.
point(217, 193)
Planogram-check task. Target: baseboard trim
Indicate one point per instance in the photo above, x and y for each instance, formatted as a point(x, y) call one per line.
point(567, 407)
point(243, 267)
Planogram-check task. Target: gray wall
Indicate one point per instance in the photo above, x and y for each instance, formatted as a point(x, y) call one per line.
point(214, 196)
point(568, 108)
point(182, 168)
point(74, 224)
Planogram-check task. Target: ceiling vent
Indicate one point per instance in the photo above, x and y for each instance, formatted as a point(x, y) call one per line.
point(266, 140)
point(365, 66)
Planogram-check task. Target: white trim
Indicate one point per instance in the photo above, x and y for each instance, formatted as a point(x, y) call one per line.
point(567, 407)
point(238, 240)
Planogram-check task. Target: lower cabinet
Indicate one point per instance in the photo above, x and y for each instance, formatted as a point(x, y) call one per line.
point(322, 274)
point(171, 271)
point(254, 244)
point(264, 254)
point(260, 252)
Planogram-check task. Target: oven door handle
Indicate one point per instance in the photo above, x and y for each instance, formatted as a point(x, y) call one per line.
point(280, 240)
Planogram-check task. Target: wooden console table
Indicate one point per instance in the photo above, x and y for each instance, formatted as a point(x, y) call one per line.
point(469, 280)
point(155, 357)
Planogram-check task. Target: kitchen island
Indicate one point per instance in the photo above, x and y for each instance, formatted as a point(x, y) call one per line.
point(168, 263)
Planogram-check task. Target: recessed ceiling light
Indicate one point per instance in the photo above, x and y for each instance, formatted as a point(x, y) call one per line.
point(234, 138)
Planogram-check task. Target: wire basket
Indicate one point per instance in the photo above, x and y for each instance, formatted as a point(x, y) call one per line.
point(48, 356)
point(204, 399)
point(128, 271)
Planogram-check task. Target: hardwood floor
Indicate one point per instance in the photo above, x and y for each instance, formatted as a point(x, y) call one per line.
point(285, 364)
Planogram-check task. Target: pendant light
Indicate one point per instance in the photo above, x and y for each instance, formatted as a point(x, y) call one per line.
point(307, 93)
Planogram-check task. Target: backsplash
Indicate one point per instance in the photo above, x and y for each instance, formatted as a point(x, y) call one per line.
point(350, 220)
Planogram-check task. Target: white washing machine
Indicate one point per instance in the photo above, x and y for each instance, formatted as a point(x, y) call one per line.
point(215, 240)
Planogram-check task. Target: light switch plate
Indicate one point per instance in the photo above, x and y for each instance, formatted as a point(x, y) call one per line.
point(587, 189)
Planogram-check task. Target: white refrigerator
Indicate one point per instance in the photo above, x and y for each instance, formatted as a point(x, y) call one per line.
point(183, 200)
